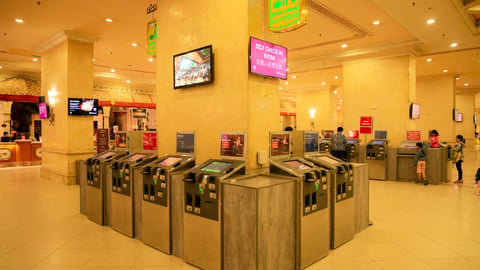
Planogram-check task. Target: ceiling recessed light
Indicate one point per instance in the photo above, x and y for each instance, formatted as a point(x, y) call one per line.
point(134, 44)
point(376, 22)
point(431, 21)
point(294, 76)
point(457, 78)
point(1, 67)
point(93, 60)
point(324, 83)
point(429, 60)
point(453, 45)
point(19, 20)
point(127, 81)
point(336, 77)
point(34, 59)
point(280, 88)
point(150, 59)
point(344, 45)
point(466, 84)
point(445, 70)
point(286, 83)
point(108, 20)
point(112, 70)
point(288, 69)
point(335, 92)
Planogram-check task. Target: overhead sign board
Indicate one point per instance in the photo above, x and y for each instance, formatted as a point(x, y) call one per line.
point(152, 37)
point(286, 15)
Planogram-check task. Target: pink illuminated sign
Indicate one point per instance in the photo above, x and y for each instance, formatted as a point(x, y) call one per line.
point(268, 59)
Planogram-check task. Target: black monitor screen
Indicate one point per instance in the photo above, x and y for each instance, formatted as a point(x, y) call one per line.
point(380, 134)
point(82, 106)
point(297, 164)
point(279, 144)
point(311, 142)
point(185, 143)
point(193, 68)
point(216, 166)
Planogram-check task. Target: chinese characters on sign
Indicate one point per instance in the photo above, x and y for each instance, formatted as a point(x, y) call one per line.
point(286, 15)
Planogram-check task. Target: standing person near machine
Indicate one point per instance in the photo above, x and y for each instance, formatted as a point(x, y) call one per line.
point(420, 163)
point(434, 141)
point(457, 157)
point(339, 144)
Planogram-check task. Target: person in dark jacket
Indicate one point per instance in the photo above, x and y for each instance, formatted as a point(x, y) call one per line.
point(420, 163)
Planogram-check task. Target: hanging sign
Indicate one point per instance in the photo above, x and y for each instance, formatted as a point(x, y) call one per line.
point(152, 37)
point(286, 15)
point(366, 124)
point(103, 140)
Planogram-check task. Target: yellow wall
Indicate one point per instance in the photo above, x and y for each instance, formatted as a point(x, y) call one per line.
point(320, 101)
point(381, 88)
point(436, 95)
point(236, 101)
point(67, 68)
point(466, 105)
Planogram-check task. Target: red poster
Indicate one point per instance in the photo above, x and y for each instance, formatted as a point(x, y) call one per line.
point(150, 141)
point(353, 134)
point(102, 140)
point(366, 124)
point(413, 135)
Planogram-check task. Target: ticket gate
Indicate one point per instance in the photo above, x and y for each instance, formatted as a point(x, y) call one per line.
point(162, 204)
point(125, 172)
point(353, 148)
point(97, 197)
point(312, 236)
point(376, 159)
point(342, 203)
point(202, 220)
point(259, 222)
point(324, 145)
point(405, 157)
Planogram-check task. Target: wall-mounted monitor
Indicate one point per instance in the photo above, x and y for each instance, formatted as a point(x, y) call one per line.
point(311, 141)
point(414, 111)
point(380, 135)
point(280, 144)
point(43, 110)
point(327, 134)
point(459, 118)
point(233, 145)
point(267, 59)
point(454, 114)
point(194, 67)
point(82, 106)
point(186, 142)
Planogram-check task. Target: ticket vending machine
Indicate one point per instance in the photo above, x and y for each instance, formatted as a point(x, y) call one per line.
point(202, 220)
point(162, 205)
point(342, 203)
point(376, 156)
point(97, 199)
point(353, 148)
point(303, 141)
point(125, 172)
point(324, 145)
point(405, 156)
point(312, 218)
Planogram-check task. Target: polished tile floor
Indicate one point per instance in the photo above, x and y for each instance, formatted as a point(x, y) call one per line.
point(414, 227)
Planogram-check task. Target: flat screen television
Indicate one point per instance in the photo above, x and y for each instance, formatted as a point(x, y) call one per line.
point(280, 144)
point(380, 135)
point(186, 142)
point(311, 141)
point(82, 106)
point(194, 67)
point(459, 118)
point(414, 111)
point(454, 114)
point(267, 59)
point(233, 145)
point(42, 110)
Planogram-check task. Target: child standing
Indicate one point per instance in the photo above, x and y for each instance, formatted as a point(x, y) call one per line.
point(457, 157)
point(420, 163)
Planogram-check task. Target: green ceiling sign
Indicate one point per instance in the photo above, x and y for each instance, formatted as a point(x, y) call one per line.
point(286, 15)
point(152, 37)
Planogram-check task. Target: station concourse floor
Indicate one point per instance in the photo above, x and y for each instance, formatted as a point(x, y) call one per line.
point(414, 227)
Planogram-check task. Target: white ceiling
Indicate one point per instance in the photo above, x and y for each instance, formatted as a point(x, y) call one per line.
point(315, 53)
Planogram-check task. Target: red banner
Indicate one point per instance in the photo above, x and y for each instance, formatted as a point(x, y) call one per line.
point(150, 141)
point(414, 135)
point(353, 134)
point(366, 124)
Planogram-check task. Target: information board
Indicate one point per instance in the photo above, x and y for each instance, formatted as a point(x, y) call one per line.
point(366, 124)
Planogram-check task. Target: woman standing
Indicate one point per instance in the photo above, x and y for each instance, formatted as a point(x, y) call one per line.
point(457, 157)
point(434, 141)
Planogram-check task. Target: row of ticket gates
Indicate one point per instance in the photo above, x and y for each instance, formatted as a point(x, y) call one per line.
point(215, 215)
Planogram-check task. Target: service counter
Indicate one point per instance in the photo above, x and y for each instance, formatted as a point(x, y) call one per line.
point(20, 153)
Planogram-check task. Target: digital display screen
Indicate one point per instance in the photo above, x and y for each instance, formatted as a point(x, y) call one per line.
point(232, 145)
point(325, 141)
point(42, 110)
point(311, 142)
point(279, 144)
point(107, 155)
point(193, 68)
point(414, 111)
point(297, 165)
point(216, 166)
point(351, 141)
point(327, 134)
point(378, 142)
point(459, 117)
point(82, 106)
point(169, 161)
point(135, 157)
point(185, 142)
point(268, 59)
point(327, 160)
point(380, 134)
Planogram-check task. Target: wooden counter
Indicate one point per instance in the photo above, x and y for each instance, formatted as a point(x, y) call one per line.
point(20, 153)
